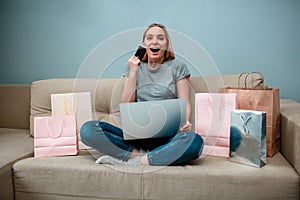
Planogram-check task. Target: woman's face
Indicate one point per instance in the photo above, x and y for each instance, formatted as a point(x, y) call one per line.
point(155, 42)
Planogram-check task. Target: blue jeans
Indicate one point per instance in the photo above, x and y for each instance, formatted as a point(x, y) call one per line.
point(108, 139)
point(235, 138)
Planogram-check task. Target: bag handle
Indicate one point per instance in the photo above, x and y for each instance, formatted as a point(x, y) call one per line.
point(261, 80)
point(245, 123)
point(67, 109)
point(239, 80)
point(50, 132)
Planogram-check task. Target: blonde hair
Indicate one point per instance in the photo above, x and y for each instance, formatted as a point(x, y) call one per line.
point(169, 54)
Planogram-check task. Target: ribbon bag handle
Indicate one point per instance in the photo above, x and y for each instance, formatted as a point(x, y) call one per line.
point(51, 131)
point(67, 109)
point(245, 123)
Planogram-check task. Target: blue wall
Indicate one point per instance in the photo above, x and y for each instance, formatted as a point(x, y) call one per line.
point(51, 38)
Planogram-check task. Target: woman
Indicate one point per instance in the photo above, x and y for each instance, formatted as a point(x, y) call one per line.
point(158, 76)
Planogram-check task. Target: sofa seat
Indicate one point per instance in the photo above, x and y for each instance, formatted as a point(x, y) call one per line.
point(15, 144)
point(79, 177)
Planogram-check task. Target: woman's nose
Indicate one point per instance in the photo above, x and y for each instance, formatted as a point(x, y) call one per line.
point(155, 41)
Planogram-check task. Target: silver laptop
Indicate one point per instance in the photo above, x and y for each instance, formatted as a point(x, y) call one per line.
point(152, 119)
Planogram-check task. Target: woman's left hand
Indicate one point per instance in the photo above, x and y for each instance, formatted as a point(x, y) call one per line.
point(186, 127)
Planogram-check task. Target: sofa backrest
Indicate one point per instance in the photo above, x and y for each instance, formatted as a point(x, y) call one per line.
point(106, 94)
point(14, 106)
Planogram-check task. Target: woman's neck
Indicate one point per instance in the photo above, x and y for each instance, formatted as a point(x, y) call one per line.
point(154, 64)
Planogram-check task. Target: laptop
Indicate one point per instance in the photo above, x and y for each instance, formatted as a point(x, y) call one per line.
point(152, 119)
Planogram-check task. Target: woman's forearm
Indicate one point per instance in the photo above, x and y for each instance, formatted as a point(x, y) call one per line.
point(188, 110)
point(183, 92)
point(129, 89)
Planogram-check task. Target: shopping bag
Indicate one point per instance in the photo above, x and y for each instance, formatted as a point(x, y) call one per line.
point(55, 136)
point(78, 104)
point(248, 137)
point(261, 99)
point(212, 121)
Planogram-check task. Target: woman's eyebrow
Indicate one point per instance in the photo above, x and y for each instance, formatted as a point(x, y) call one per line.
point(159, 35)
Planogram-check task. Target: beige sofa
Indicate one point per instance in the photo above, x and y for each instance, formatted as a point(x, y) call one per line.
point(78, 177)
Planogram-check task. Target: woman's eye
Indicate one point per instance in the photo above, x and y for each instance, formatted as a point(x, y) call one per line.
point(148, 38)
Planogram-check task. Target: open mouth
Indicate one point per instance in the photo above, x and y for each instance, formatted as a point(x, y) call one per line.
point(154, 50)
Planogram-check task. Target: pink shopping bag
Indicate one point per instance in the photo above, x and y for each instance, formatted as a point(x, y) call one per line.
point(212, 121)
point(55, 136)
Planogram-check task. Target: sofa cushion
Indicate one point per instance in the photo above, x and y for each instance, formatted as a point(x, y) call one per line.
point(15, 144)
point(105, 97)
point(14, 106)
point(50, 178)
point(290, 131)
point(276, 180)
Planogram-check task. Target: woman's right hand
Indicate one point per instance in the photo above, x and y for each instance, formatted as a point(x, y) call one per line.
point(134, 62)
point(128, 94)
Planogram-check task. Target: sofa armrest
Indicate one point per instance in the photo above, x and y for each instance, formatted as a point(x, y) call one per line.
point(290, 132)
point(14, 106)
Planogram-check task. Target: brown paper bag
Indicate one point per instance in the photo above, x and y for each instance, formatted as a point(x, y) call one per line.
point(264, 99)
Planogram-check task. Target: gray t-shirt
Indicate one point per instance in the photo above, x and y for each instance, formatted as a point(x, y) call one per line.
point(159, 84)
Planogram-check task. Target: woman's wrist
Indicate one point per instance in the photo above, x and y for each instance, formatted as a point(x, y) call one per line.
point(133, 73)
point(188, 122)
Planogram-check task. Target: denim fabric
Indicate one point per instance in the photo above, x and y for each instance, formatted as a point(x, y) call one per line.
point(108, 139)
point(183, 147)
point(235, 138)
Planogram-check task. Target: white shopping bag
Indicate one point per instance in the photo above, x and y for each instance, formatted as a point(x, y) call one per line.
point(78, 104)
